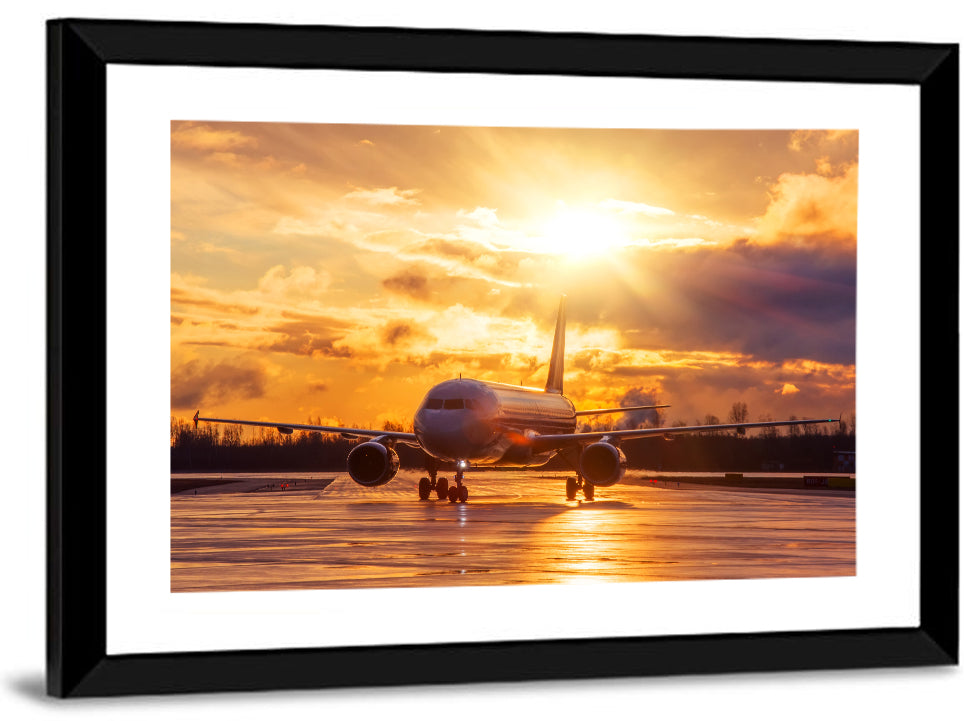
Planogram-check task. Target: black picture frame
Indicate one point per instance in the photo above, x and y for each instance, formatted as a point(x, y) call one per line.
point(79, 52)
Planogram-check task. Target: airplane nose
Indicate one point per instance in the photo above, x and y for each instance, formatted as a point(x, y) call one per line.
point(454, 434)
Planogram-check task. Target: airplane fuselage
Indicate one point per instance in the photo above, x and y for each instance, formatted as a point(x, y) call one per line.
point(488, 423)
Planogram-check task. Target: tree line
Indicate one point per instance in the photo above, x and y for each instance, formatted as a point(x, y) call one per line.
point(213, 447)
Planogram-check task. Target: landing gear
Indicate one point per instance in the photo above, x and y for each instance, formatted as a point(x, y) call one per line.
point(432, 483)
point(442, 488)
point(573, 485)
point(458, 492)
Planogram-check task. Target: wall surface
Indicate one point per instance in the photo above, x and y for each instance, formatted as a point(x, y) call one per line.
point(867, 694)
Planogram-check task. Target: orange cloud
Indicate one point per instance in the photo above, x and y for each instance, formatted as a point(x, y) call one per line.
point(205, 138)
point(301, 282)
point(811, 209)
point(384, 196)
point(801, 140)
point(627, 206)
point(196, 383)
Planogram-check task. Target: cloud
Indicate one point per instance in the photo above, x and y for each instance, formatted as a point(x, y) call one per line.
point(195, 384)
point(811, 209)
point(384, 196)
point(787, 389)
point(639, 396)
point(772, 302)
point(453, 248)
point(301, 281)
point(403, 333)
point(674, 243)
point(410, 283)
point(204, 138)
point(315, 338)
point(809, 140)
point(695, 390)
point(230, 160)
point(440, 285)
point(180, 296)
point(626, 206)
point(325, 226)
point(486, 217)
point(497, 366)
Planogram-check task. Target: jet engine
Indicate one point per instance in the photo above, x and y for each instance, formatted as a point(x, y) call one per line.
point(602, 464)
point(372, 464)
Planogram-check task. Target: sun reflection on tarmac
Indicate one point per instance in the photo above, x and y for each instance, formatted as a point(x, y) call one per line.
point(587, 551)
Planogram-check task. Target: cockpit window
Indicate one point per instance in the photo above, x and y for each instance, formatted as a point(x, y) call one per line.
point(433, 403)
point(454, 403)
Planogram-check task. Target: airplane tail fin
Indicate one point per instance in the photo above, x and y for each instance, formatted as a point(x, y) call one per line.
point(557, 360)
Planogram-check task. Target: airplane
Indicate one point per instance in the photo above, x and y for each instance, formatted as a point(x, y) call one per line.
point(481, 423)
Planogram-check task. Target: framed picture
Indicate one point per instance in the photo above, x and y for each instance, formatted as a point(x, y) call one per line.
point(344, 217)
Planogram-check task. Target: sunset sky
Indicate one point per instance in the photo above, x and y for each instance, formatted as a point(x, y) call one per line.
point(336, 272)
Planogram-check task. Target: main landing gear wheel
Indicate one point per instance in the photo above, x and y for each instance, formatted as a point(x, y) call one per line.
point(424, 489)
point(442, 488)
point(572, 486)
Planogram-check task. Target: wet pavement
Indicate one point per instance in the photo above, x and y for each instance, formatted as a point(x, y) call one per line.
point(251, 532)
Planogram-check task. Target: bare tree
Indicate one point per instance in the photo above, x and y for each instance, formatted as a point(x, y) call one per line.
point(738, 414)
point(710, 420)
point(231, 436)
point(793, 431)
point(769, 431)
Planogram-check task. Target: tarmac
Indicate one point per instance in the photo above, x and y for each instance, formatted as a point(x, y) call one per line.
point(243, 532)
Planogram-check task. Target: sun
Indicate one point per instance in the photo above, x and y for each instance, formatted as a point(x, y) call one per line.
point(577, 233)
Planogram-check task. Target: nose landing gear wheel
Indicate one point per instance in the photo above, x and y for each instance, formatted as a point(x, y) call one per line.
point(458, 492)
point(588, 490)
point(424, 488)
point(442, 488)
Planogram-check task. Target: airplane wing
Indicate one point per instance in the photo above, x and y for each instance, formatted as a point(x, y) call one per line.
point(624, 409)
point(288, 428)
point(543, 443)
